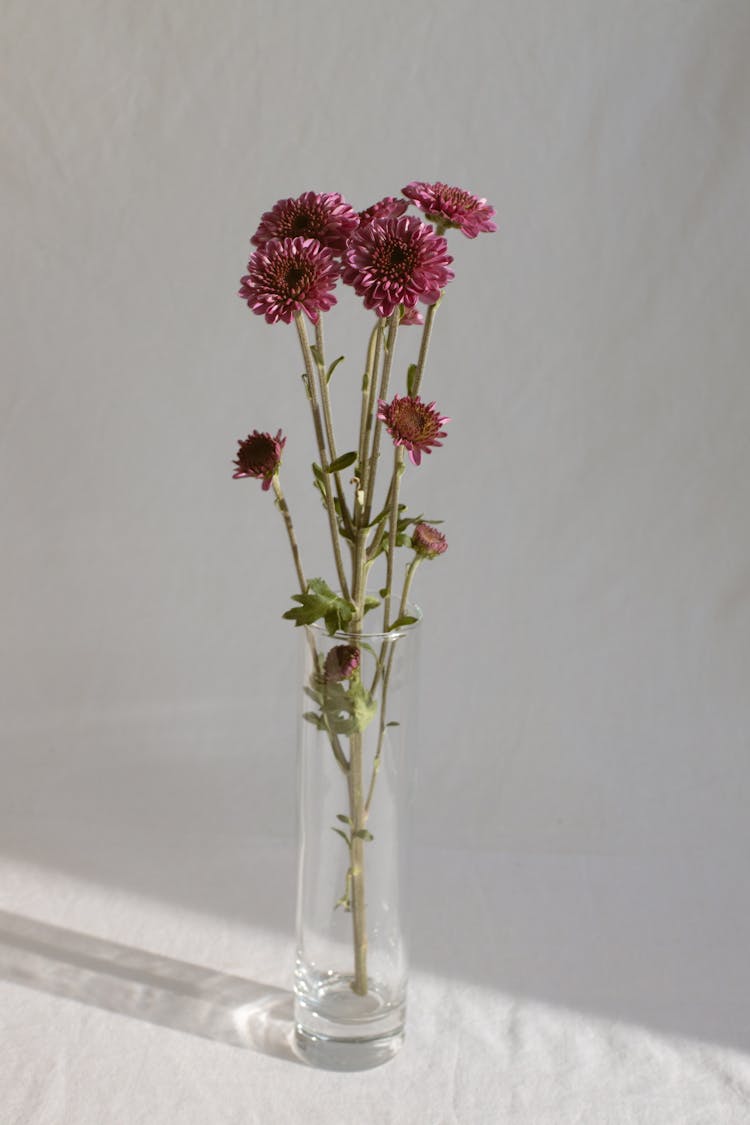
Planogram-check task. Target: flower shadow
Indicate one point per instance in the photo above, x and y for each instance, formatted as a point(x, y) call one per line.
point(147, 986)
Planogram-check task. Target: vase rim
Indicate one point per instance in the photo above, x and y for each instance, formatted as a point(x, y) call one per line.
point(412, 610)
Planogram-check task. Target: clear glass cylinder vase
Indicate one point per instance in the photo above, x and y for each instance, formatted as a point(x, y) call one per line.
point(355, 767)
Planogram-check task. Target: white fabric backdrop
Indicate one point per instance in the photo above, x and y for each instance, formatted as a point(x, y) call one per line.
point(587, 637)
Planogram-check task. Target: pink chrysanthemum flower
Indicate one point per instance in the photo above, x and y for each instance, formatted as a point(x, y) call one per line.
point(388, 208)
point(327, 217)
point(452, 207)
point(341, 663)
point(290, 275)
point(414, 424)
point(394, 262)
point(259, 456)
point(428, 542)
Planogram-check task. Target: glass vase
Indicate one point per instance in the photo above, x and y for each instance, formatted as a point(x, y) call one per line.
point(355, 766)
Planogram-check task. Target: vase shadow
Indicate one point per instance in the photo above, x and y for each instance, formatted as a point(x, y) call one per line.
point(147, 986)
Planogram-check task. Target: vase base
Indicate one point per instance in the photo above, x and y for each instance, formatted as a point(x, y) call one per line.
point(339, 1029)
point(330, 1053)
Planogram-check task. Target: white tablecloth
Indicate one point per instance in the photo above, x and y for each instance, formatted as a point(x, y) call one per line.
point(545, 989)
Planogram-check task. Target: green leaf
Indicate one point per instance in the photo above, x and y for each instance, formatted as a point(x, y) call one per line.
point(371, 603)
point(384, 592)
point(302, 615)
point(345, 710)
point(315, 351)
point(393, 723)
point(314, 718)
point(318, 472)
point(342, 462)
point(343, 836)
point(338, 616)
point(363, 706)
point(401, 621)
point(363, 834)
point(320, 586)
point(405, 521)
point(411, 378)
point(379, 518)
point(333, 367)
point(319, 601)
point(344, 819)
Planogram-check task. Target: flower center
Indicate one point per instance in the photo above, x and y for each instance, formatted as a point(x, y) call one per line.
point(257, 454)
point(396, 260)
point(413, 423)
point(458, 198)
point(302, 223)
point(293, 279)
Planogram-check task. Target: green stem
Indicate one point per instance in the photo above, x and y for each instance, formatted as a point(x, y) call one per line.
point(328, 419)
point(410, 571)
point(398, 468)
point(378, 539)
point(356, 851)
point(425, 345)
point(357, 902)
point(328, 495)
point(338, 753)
point(390, 348)
point(284, 509)
point(369, 382)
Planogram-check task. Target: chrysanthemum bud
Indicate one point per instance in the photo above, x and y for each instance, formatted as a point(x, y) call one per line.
point(428, 542)
point(388, 208)
point(341, 662)
point(259, 456)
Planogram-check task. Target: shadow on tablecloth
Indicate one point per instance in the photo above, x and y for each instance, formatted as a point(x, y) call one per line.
point(147, 986)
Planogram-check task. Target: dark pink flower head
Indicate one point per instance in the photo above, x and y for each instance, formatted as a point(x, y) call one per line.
point(290, 275)
point(414, 424)
point(259, 456)
point(327, 217)
point(452, 207)
point(341, 662)
point(394, 262)
point(428, 542)
point(388, 208)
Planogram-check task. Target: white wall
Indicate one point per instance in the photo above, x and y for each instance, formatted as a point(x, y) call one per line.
point(587, 636)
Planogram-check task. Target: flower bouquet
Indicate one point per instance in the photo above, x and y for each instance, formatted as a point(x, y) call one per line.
point(354, 766)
